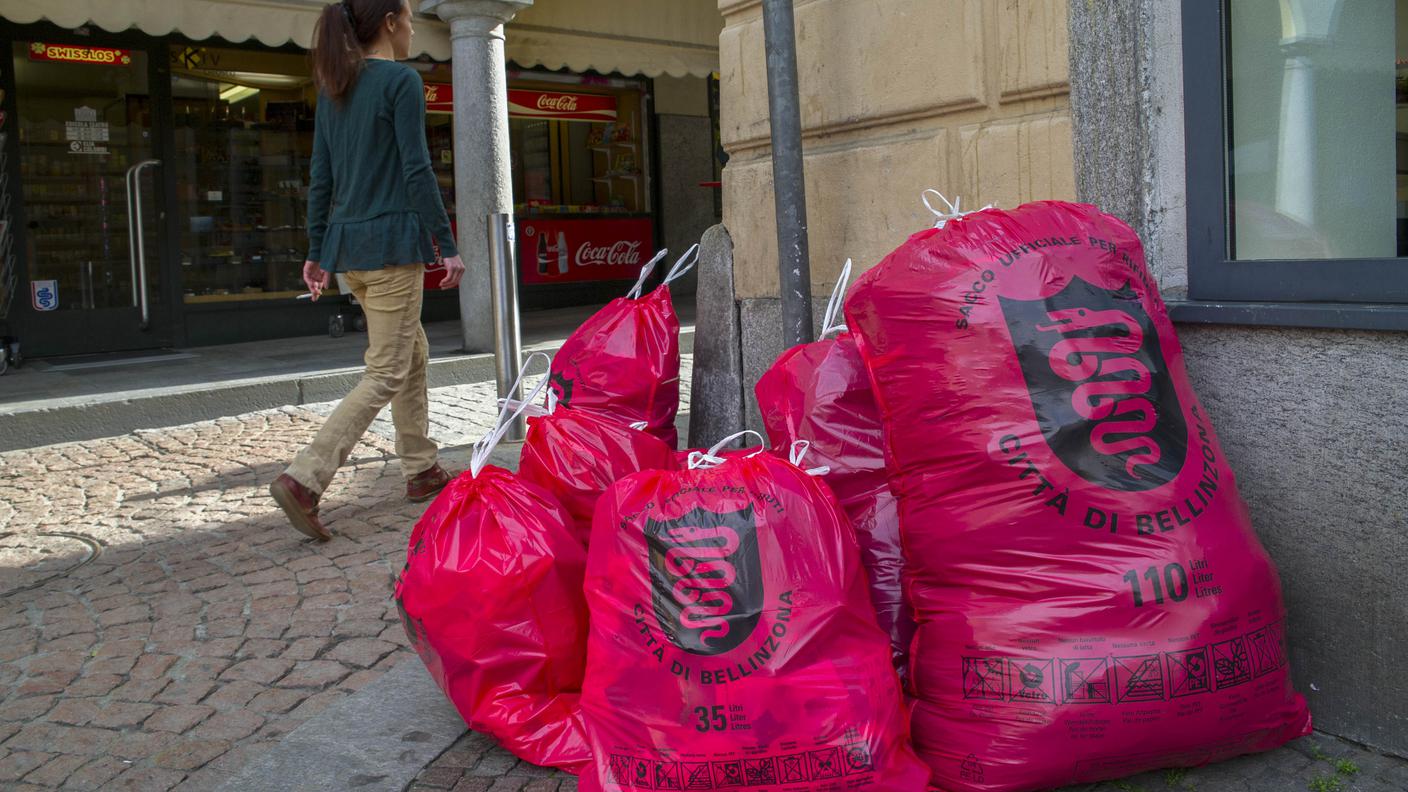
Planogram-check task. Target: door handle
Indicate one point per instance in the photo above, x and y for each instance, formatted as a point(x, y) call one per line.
point(136, 242)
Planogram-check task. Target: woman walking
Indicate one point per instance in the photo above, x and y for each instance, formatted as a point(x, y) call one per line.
point(374, 215)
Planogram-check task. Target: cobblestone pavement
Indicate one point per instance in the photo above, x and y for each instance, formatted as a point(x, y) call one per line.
point(160, 623)
point(1318, 763)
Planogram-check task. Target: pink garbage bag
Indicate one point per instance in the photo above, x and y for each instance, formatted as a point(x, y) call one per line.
point(491, 599)
point(624, 362)
point(1091, 598)
point(820, 393)
point(733, 644)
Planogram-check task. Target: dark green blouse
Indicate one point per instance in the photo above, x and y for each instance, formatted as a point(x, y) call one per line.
point(373, 200)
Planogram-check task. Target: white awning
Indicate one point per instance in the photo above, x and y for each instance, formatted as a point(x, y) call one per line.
point(271, 22)
point(649, 37)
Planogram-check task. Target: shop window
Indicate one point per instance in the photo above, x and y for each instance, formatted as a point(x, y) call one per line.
point(1297, 158)
point(86, 119)
point(244, 142)
point(577, 150)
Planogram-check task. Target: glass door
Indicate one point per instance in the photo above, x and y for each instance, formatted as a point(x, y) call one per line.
point(89, 179)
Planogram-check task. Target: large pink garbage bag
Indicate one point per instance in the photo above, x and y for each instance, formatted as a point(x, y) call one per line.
point(732, 642)
point(1092, 601)
point(820, 393)
point(576, 455)
point(491, 599)
point(624, 361)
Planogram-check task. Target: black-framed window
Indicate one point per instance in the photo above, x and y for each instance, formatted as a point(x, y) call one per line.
point(1297, 159)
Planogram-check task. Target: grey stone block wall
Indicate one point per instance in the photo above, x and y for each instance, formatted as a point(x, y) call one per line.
point(1314, 425)
point(686, 209)
point(1313, 421)
point(762, 343)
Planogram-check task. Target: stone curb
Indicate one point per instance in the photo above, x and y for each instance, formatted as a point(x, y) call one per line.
point(108, 415)
point(375, 740)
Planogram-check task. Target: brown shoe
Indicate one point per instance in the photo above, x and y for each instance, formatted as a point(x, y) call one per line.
point(424, 485)
point(301, 506)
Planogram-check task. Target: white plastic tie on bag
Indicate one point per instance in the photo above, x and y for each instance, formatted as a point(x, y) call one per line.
point(509, 412)
point(951, 211)
point(703, 460)
point(531, 410)
point(799, 451)
point(829, 324)
point(527, 410)
point(645, 271)
point(683, 265)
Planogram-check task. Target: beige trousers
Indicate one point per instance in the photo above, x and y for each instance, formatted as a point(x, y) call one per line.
point(397, 355)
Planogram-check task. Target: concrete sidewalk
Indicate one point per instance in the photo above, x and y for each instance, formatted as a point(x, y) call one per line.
point(65, 400)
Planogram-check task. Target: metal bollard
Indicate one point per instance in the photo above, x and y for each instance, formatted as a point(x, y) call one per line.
point(503, 281)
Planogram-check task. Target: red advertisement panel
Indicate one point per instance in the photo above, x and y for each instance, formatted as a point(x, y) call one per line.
point(439, 98)
point(560, 106)
point(580, 249)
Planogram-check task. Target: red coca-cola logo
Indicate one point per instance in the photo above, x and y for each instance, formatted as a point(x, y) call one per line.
point(561, 103)
point(617, 254)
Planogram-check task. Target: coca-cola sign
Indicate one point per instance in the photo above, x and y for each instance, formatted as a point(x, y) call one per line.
point(562, 103)
point(618, 254)
point(439, 98)
point(579, 249)
point(560, 106)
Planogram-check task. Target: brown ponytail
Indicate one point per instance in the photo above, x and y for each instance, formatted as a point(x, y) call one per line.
point(343, 30)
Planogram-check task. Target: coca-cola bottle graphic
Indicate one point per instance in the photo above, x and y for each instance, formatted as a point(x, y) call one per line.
point(561, 253)
point(543, 255)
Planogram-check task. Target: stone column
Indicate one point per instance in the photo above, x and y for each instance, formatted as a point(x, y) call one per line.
point(483, 182)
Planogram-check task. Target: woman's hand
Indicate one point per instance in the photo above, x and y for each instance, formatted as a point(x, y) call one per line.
point(454, 270)
point(315, 279)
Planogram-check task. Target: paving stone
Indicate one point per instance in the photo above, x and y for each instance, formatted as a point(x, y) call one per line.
point(120, 648)
point(316, 703)
point(494, 763)
point(26, 709)
point(74, 712)
point(96, 772)
point(121, 714)
point(111, 665)
point(361, 652)
point(94, 685)
point(179, 718)
point(438, 777)
point(201, 668)
point(189, 692)
point(152, 666)
point(18, 764)
point(262, 671)
point(262, 648)
point(305, 648)
point(140, 690)
point(54, 682)
point(230, 726)
point(190, 754)
point(56, 771)
point(70, 662)
point(58, 738)
point(315, 674)
point(277, 701)
point(147, 779)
